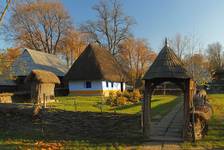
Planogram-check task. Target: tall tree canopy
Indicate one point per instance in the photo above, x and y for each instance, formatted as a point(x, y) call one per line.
point(40, 25)
point(136, 54)
point(112, 25)
point(73, 45)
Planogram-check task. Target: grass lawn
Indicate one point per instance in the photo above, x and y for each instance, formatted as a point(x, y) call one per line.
point(85, 127)
point(161, 104)
point(215, 138)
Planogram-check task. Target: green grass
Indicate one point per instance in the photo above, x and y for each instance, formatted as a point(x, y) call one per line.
point(160, 104)
point(88, 128)
point(215, 137)
point(85, 128)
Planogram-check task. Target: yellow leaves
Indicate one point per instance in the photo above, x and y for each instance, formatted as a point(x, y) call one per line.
point(48, 145)
point(136, 53)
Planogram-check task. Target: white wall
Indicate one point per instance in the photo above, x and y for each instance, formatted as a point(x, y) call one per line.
point(81, 86)
point(96, 85)
point(117, 85)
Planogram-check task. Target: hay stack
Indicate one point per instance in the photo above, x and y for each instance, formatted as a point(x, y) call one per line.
point(42, 85)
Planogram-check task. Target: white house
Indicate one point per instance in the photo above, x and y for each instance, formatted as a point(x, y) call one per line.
point(95, 72)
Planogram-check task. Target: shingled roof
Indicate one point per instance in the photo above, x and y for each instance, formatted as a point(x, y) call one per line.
point(32, 59)
point(96, 63)
point(166, 65)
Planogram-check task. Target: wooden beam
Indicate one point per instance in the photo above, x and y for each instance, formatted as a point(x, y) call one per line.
point(147, 110)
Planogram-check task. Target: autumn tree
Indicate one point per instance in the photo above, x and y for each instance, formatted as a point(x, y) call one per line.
point(39, 25)
point(7, 57)
point(112, 25)
point(197, 67)
point(214, 52)
point(137, 55)
point(73, 45)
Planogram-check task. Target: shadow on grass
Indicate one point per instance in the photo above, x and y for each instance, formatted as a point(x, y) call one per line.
point(92, 127)
point(165, 108)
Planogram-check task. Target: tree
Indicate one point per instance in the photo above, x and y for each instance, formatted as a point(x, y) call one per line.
point(4, 9)
point(6, 59)
point(214, 52)
point(40, 25)
point(111, 27)
point(73, 45)
point(137, 55)
point(197, 67)
point(179, 44)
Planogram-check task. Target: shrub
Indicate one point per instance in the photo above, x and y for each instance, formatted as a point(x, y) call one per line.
point(127, 94)
point(111, 99)
point(119, 93)
point(122, 100)
point(135, 96)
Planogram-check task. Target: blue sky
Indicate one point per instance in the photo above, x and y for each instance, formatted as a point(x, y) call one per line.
point(157, 19)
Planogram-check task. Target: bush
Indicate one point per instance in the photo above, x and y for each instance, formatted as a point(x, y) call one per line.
point(119, 94)
point(122, 100)
point(135, 96)
point(127, 94)
point(111, 99)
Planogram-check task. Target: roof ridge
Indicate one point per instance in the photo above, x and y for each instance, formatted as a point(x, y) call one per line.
point(36, 51)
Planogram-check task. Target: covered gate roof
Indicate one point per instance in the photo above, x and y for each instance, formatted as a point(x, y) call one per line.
point(166, 65)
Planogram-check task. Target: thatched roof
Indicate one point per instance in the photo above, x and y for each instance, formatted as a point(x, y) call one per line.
point(33, 59)
point(42, 76)
point(96, 63)
point(166, 65)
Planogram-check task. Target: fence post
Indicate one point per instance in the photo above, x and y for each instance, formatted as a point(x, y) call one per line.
point(75, 104)
point(45, 103)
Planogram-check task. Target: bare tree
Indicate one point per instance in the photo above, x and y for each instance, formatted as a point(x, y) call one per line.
point(112, 25)
point(39, 25)
point(193, 49)
point(214, 52)
point(179, 44)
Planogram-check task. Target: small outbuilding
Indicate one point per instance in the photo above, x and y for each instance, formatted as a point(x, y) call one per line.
point(95, 72)
point(42, 85)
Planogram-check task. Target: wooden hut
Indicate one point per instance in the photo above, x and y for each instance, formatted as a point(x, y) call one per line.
point(166, 67)
point(95, 72)
point(42, 85)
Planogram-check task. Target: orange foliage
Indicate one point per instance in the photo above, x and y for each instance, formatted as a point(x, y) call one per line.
point(137, 55)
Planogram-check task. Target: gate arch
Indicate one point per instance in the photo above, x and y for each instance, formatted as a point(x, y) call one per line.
point(166, 67)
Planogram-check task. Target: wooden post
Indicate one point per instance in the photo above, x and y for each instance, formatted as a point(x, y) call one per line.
point(45, 99)
point(146, 111)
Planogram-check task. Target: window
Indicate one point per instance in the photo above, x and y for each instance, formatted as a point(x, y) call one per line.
point(107, 84)
point(88, 84)
point(112, 84)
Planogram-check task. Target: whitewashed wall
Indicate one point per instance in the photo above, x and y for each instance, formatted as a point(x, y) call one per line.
point(96, 85)
point(81, 86)
point(117, 85)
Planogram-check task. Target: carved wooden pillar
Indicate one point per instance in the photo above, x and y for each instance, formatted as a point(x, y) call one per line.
point(147, 110)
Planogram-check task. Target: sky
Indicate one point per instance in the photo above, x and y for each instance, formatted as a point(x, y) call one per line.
point(157, 19)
